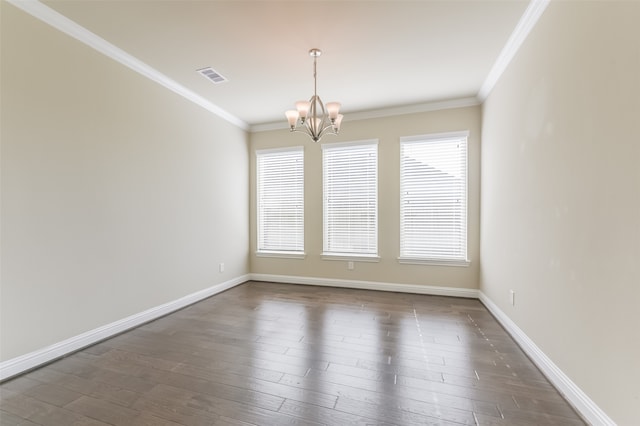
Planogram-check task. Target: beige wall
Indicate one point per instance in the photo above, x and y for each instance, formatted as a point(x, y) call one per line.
point(561, 196)
point(388, 131)
point(117, 195)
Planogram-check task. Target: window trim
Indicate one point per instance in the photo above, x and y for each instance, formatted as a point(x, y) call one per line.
point(374, 258)
point(419, 260)
point(285, 254)
point(362, 257)
point(281, 254)
point(408, 260)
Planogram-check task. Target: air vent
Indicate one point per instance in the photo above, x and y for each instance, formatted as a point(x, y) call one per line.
point(212, 75)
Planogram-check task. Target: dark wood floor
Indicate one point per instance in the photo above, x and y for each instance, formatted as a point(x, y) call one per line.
point(275, 354)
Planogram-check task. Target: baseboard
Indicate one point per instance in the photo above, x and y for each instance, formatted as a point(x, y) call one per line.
point(369, 285)
point(580, 401)
point(576, 397)
point(23, 363)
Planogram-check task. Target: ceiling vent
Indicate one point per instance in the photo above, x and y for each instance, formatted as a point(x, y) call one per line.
point(213, 75)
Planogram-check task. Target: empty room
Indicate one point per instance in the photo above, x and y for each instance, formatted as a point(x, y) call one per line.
point(319, 212)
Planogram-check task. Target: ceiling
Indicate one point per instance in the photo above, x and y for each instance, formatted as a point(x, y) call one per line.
point(376, 54)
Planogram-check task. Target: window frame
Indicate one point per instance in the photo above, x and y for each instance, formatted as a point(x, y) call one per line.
point(463, 259)
point(281, 252)
point(327, 253)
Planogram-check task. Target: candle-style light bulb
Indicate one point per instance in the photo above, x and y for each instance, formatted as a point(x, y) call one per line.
point(337, 122)
point(303, 109)
point(333, 108)
point(292, 118)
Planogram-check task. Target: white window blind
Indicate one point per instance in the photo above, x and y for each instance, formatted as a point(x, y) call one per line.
point(433, 197)
point(350, 185)
point(280, 191)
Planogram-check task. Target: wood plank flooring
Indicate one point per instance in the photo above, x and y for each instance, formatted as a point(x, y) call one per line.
point(277, 354)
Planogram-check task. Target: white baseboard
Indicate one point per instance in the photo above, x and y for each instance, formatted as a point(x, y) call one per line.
point(576, 397)
point(23, 363)
point(580, 401)
point(369, 285)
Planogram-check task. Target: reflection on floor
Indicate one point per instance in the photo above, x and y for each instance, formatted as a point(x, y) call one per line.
point(277, 354)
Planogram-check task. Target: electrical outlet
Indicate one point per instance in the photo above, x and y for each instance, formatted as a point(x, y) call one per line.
point(512, 297)
point(350, 266)
point(221, 267)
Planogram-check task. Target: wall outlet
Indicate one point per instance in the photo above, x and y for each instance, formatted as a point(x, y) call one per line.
point(221, 267)
point(512, 297)
point(350, 265)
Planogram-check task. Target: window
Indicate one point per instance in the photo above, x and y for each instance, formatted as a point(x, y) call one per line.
point(350, 185)
point(280, 191)
point(433, 198)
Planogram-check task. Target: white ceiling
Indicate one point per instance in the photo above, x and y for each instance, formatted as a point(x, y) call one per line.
point(376, 54)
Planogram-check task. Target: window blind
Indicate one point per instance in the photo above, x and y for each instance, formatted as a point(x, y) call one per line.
point(280, 204)
point(350, 189)
point(433, 197)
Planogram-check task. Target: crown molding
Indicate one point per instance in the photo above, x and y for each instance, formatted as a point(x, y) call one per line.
point(62, 23)
point(44, 13)
point(523, 28)
point(384, 112)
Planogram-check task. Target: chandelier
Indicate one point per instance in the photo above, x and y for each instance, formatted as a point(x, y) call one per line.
point(314, 118)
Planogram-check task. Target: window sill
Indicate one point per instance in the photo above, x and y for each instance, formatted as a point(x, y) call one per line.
point(433, 262)
point(351, 257)
point(282, 254)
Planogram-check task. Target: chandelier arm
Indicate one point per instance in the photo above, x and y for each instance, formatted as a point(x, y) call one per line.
point(306, 132)
point(328, 129)
point(314, 121)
